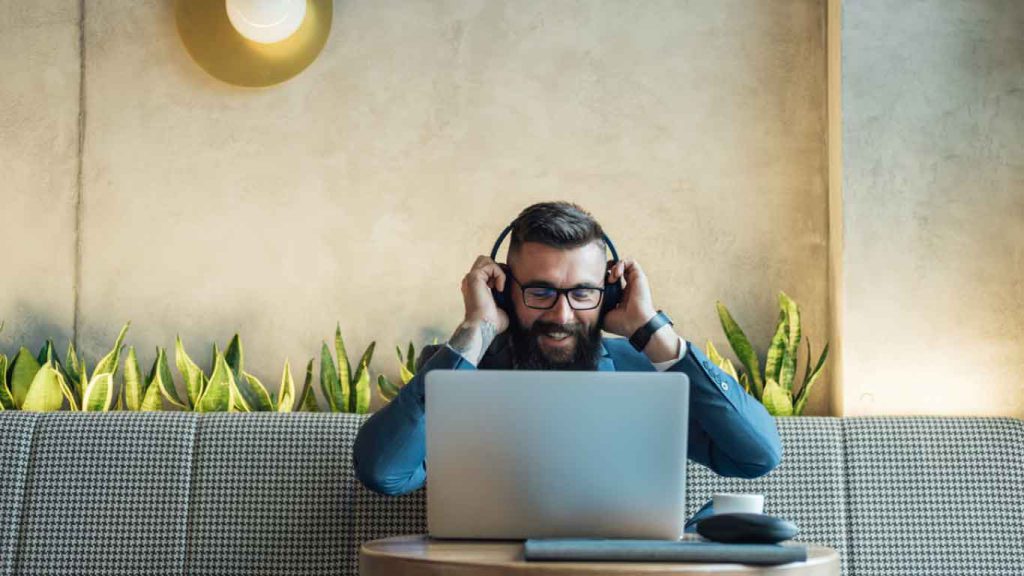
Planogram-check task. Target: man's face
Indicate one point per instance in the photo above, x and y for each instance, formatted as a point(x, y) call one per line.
point(559, 337)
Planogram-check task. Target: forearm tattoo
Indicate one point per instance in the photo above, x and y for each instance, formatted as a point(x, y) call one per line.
point(463, 338)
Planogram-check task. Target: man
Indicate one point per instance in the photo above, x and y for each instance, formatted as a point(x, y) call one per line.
point(556, 256)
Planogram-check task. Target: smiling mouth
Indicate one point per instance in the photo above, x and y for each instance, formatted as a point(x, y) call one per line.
point(557, 338)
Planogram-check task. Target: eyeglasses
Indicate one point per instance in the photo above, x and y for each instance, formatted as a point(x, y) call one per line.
point(545, 297)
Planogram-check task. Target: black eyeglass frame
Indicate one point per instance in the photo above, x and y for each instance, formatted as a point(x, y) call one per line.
point(558, 293)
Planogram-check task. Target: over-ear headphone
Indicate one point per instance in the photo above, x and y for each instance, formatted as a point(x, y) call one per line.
point(612, 290)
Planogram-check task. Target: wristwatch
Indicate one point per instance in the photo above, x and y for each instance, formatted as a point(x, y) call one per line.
point(643, 334)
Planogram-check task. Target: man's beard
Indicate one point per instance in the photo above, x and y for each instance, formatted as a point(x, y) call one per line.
point(527, 353)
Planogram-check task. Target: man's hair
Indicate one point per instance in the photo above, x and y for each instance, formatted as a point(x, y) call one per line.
point(557, 224)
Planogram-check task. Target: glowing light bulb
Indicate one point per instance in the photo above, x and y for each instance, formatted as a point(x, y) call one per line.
point(266, 21)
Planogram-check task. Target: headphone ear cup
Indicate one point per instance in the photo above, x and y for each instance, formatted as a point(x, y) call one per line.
point(503, 298)
point(612, 292)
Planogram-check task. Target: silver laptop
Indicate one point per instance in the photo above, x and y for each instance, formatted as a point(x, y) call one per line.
point(543, 454)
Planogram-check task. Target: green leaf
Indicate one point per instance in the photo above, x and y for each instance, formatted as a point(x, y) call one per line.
point(24, 368)
point(776, 400)
point(741, 346)
point(190, 372)
point(108, 364)
point(286, 393)
point(345, 379)
point(307, 399)
point(153, 398)
point(6, 399)
point(360, 402)
point(406, 375)
point(99, 394)
point(235, 357)
point(745, 381)
point(165, 381)
point(410, 359)
point(46, 354)
point(805, 390)
point(77, 372)
point(219, 395)
point(253, 395)
point(67, 392)
point(777, 349)
point(787, 371)
point(388, 391)
point(329, 382)
point(724, 363)
point(44, 392)
point(134, 386)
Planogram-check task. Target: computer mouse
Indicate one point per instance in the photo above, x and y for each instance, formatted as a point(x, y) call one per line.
point(746, 528)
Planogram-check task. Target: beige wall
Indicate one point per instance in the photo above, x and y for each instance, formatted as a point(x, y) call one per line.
point(933, 186)
point(362, 190)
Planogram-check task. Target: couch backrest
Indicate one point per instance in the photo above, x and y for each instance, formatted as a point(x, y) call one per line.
point(174, 493)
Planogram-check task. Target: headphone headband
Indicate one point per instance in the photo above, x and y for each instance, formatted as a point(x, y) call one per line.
point(505, 232)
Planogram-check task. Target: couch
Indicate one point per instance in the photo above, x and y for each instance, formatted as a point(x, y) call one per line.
point(267, 493)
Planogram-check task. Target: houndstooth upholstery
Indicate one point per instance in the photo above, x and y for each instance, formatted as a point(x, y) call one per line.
point(936, 496)
point(807, 487)
point(267, 493)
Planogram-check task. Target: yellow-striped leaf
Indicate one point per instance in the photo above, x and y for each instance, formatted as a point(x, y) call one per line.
point(787, 371)
point(219, 395)
point(330, 385)
point(44, 393)
point(165, 381)
point(108, 364)
point(776, 400)
point(134, 387)
point(253, 395)
point(286, 393)
point(307, 399)
point(190, 371)
point(24, 368)
point(742, 347)
point(360, 402)
point(99, 393)
point(6, 399)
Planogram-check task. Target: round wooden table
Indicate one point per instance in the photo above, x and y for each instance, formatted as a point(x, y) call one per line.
point(419, 555)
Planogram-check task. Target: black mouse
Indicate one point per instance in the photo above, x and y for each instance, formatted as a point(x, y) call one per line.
point(746, 528)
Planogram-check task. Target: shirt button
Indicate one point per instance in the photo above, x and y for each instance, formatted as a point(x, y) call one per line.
point(725, 385)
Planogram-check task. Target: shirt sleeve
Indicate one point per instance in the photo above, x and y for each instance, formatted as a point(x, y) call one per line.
point(662, 366)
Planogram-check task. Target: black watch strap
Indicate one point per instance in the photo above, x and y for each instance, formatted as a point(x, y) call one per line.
point(643, 334)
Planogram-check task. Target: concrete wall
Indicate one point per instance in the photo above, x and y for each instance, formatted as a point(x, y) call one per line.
point(362, 190)
point(933, 187)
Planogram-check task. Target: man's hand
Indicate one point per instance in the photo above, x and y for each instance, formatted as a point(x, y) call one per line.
point(635, 309)
point(483, 320)
point(636, 306)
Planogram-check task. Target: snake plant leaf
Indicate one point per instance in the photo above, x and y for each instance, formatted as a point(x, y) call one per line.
point(253, 395)
point(6, 399)
point(410, 359)
point(99, 393)
point(165, 381)
point(153, 398)
point(219, 395)
point(776, 400)
point(108, 364)
point(787, 370)
point(67, 392)
point(78, 374)
point(741, 346)
point(235, 357)
point(24, 368)
point(286, 393)
point(120, 400)
point(388, 391)
point(724, 363)
point(44, 392)
point(134, 386)
point(344, 366)
point(777, 348)
point(745, 381)
point(805, 390)
point(361, 383)
point(406, 374)
point(190, 371)
point(46, 354)
point(307, 399)
point(330, 385)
